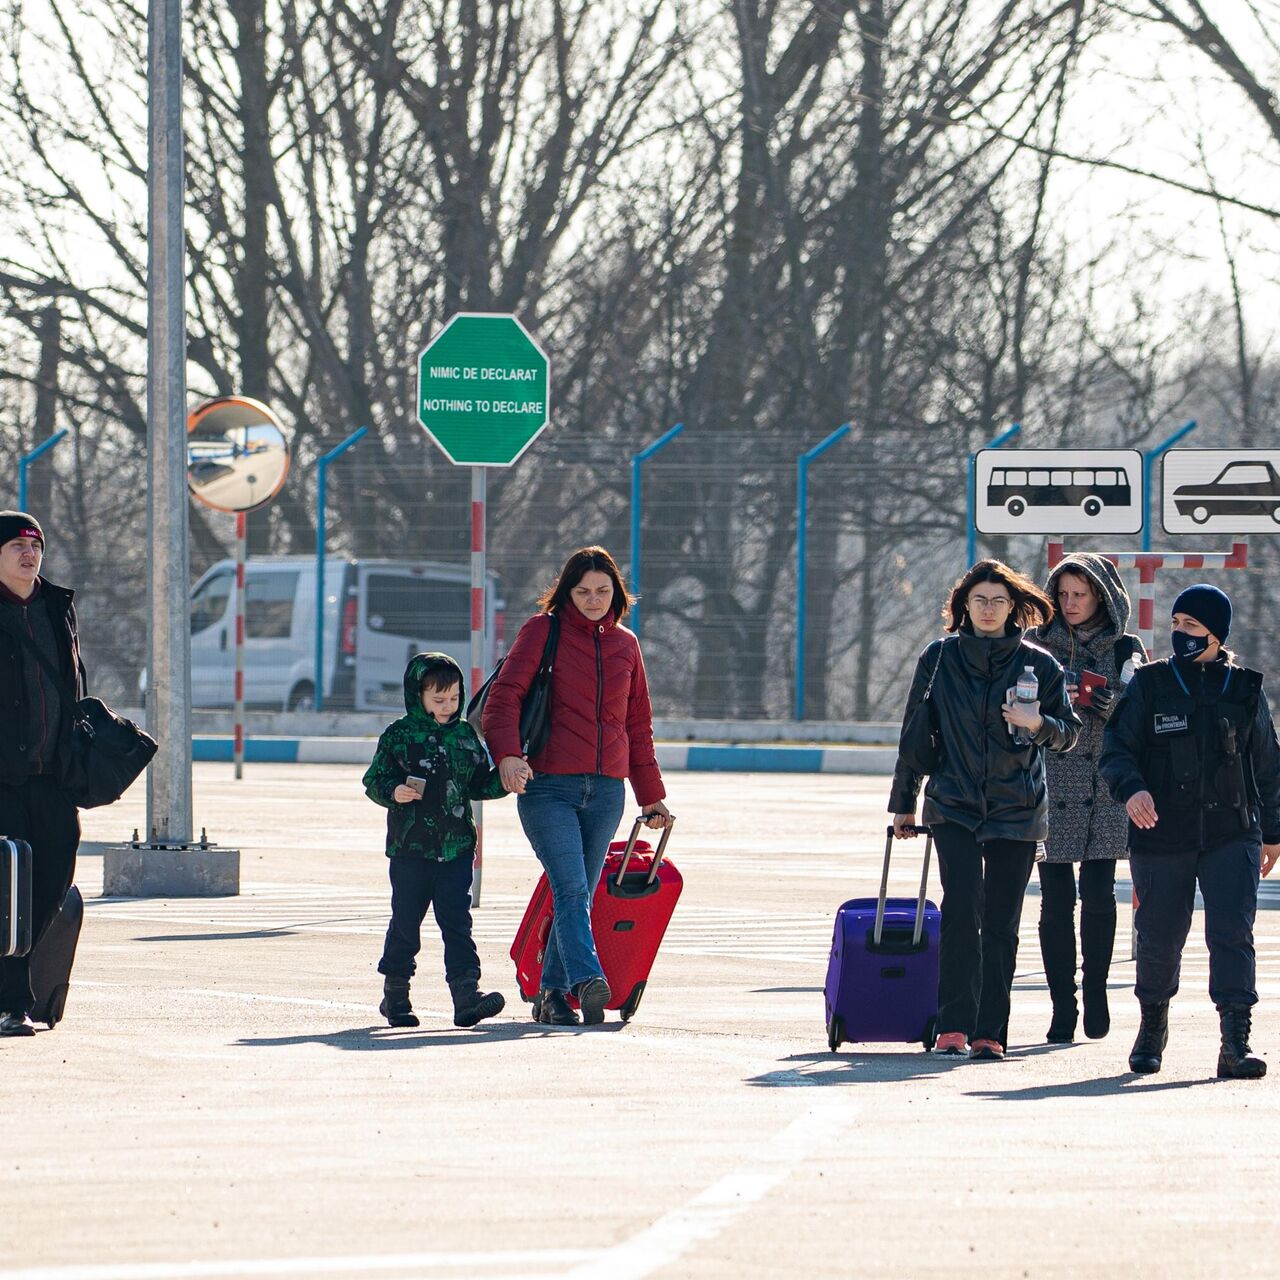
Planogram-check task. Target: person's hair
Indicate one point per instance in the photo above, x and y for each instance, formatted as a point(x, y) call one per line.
point(583, 561)
point(1031, 606)
point(439, 679)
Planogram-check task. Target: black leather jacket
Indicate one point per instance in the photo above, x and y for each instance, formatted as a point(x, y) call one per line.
point(19, 674)
point(986, 782)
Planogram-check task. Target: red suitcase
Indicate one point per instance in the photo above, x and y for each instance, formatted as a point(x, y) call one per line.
point(637, 893)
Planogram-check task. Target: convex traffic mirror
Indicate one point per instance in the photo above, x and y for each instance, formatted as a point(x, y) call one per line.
point(237, 454)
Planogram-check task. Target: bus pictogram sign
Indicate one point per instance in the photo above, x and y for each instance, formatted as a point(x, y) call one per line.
point(1058, 491)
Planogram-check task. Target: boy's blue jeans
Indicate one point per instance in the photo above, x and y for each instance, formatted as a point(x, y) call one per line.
point(570, 819)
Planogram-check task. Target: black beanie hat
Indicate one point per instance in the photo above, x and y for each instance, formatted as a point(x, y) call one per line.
point(1209, 606)
point(18, 524)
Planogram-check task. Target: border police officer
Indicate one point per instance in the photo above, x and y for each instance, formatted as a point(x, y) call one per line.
point(1191, 753)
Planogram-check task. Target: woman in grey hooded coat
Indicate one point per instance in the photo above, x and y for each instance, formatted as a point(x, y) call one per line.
point(1085, 825)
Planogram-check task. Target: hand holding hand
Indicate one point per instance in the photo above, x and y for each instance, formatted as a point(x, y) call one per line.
point(658, 814)
point(515, 774)
point(1141, 808)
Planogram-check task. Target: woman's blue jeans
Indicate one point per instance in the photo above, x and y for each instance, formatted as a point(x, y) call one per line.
point(570, 819)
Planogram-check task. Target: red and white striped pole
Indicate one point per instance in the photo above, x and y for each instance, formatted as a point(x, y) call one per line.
point(238, 695)
point(479, 501)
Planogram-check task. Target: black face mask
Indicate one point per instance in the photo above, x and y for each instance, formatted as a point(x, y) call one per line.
point(1185, 646)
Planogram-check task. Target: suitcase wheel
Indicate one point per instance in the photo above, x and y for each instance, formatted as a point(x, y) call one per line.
point(632, 1002)
point(835, 1032)
point(930, 1034)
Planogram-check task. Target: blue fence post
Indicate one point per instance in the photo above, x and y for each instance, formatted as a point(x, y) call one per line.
point(802, 552)
point(25, 461)
point(637, 461)
point(322, 493)
point(971, 490)
point(1148, 466)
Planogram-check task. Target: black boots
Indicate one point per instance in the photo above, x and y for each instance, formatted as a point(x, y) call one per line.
point(1058, 951)
point(395, 1006)
point(1097, 939)
point(469, 1006)
point(1236, 1061)
point(554, 1010)
point(1153, 1035)
point(593, 995)
point(16, 1024)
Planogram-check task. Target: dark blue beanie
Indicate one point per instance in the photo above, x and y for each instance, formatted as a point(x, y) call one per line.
point(1209, 606)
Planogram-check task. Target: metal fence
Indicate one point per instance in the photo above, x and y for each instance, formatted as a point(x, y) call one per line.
point(720, 575)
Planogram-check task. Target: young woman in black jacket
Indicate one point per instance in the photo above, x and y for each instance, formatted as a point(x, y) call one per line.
point(986, 799)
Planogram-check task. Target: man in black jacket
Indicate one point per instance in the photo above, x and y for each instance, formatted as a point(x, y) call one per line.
point(35, 741)
point(1191, 753)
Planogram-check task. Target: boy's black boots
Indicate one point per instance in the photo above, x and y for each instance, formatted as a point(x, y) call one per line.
point(1153, 1035)
point(469, 1006)
point(1236, 1061)
point(395, 1006)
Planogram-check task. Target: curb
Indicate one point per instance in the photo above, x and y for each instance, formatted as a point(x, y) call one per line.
point(682, 757)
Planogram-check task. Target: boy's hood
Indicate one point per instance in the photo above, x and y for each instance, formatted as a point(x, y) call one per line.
point(1106, 581)
point(420, 665)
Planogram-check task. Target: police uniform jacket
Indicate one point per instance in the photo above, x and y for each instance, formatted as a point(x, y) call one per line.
point(1199, 737)
point(986, 782)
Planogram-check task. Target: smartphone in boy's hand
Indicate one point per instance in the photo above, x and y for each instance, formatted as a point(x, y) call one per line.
point(418, 785)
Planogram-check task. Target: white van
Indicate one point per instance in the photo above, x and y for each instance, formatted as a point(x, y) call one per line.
point(377, 613)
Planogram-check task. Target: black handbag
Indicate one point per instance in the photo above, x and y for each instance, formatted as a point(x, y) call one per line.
point(920, 745)
point(535, 713)
point(108, 752)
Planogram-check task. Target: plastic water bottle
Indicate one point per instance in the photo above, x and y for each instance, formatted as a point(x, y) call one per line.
point(1026, 691)
point(1131, 664)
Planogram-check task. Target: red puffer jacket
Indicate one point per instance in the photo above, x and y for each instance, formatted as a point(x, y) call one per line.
point(601, 717)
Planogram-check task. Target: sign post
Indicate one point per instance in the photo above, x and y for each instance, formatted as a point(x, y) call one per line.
point(484, 392)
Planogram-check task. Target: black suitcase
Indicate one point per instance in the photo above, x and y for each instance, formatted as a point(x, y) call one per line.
point(52, 958)
point(15, 897)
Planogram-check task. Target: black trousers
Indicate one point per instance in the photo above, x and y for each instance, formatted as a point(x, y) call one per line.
point(38, 812)
point(982, 891)
point(1166, 887)
point(419, 883)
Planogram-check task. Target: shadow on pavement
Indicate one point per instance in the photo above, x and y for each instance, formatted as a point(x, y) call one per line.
point(219, 937)
point(1128, 1083)
point(826, 1069)
point(380, 1037)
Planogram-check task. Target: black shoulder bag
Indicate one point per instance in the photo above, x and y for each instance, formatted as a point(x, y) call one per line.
point(108, 752)
point(920, 746)
point(535, 714)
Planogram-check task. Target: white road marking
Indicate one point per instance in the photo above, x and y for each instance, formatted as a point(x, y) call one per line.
point(511, 1262)
point(676, 1233)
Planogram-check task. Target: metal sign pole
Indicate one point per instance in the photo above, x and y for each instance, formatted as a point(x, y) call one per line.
point(242, 554)
point(169, 668)
point(479, 617)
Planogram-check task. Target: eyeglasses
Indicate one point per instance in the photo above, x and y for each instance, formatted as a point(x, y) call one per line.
point(993, 603)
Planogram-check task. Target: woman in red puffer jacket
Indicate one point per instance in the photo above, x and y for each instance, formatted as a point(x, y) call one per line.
point(571, 793)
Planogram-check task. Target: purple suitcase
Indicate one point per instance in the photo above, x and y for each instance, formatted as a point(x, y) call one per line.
point(882, 978)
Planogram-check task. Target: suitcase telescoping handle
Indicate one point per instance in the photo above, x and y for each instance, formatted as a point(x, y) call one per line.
point(631, 848)
point(884, 883)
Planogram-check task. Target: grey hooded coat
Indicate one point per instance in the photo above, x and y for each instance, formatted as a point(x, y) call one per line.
point(1084, 822)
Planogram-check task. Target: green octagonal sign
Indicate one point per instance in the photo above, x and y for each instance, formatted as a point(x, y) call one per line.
point(483, 389)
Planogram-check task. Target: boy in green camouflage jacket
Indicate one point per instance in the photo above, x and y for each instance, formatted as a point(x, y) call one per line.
point(431, 836)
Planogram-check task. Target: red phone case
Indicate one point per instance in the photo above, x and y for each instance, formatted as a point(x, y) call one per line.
point(1089, 681)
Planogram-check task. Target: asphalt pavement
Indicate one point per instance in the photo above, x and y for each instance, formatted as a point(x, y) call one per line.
point(223, 1099)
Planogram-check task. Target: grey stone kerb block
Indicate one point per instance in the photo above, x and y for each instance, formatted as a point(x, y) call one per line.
point(170, 871)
